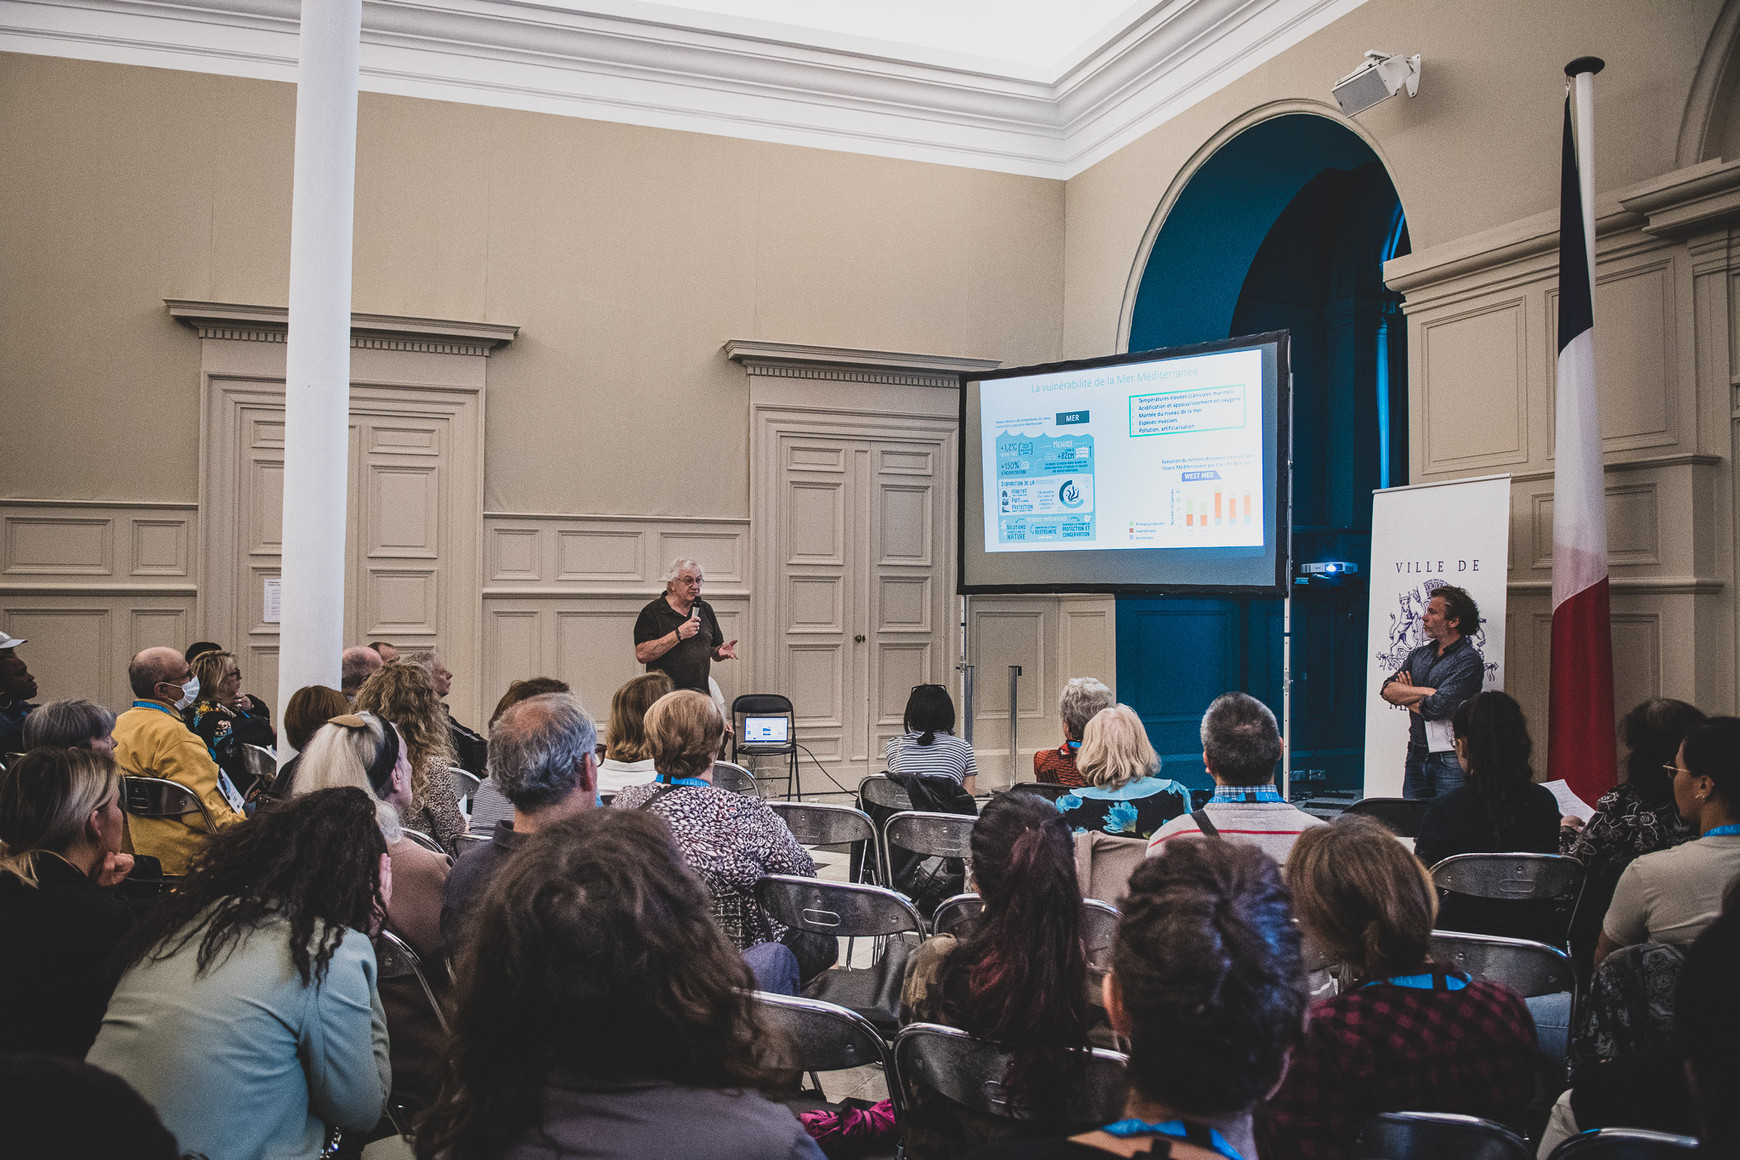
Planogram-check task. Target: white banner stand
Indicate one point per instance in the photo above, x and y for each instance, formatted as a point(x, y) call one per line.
point(1431, 534)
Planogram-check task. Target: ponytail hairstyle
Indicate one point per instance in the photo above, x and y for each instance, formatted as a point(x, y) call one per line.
point(1362, 896)
point(46, 797)
point(1496, 743)
point(1020, 977)
point(929, 711)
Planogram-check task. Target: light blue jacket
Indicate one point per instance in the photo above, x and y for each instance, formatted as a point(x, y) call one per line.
point(244, 1062)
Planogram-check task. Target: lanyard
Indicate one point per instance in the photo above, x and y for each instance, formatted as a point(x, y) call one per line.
point(1426, 982)
point(1202, 1137)
point(156, 706)
point(681, 781)
point(1727, 831)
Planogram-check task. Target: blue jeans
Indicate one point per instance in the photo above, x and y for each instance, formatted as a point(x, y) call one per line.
point(775, 967)
point(1430, 775)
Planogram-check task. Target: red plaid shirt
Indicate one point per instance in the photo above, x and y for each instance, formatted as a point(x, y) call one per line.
point(1384, 1048)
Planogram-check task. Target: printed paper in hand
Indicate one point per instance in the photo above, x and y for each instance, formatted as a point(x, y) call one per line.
point(1569, 803)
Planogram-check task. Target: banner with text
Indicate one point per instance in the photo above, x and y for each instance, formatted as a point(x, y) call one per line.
point(1423, 537)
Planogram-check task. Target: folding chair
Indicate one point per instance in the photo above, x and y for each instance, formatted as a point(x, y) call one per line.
point(828, 1037)
point(848, 910)
point(957, 916)
point(970, 1071)
point(262, 766)
point(1437, 1136)
point(928, 835)
point(465, 782)
point(816, 824)
point(767, 705)
point(1533, 970)
point(1042, 789)
point(394, 959)
point(1401, 815)
point(735, 778)
point(422, 839)
point(1535, 894)
point(879, 791)
point(1626, 1144)
point(159, 797)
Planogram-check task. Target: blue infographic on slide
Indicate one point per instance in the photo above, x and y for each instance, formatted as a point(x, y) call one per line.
point(1045, 488)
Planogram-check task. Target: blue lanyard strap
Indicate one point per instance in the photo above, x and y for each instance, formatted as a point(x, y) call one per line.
point(681, 780)
point(1198, 1134)
point(1431, 981)
point(1727, 831)
point(156, 706)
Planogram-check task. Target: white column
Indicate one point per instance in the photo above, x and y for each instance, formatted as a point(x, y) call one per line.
point(317, 361)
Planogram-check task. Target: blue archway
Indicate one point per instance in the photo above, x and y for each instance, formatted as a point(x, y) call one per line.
point(1287, 225)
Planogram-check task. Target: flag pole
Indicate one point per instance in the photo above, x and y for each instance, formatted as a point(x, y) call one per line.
point(1582, 77)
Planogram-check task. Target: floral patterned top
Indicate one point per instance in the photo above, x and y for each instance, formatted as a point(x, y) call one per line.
point(1624, 826)
point(1136, 809)
point(224, 732)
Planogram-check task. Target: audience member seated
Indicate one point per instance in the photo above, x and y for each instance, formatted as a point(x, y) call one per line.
point(729, 839)
point(76, 724)
point(258, 710)
point(929, 747)
point(1672, 896)
point(470, 751)
point(601, 1012)
point(488, 804)
point(1018, 979)
point(1207, 986)
point(1241, 745)
point(361, 750)
point(1710, 1030)
point(1122, 796)
point(1499, 809)
point(387, 651)
point(356, 665)
point(151, 740)
point(1081, 699)
point(72, 1111)
point(1406, 1034)
point(17, 686)
point(223, 717)
point(541, 756)
point(310, 707)
point(403, 694)
point(1635, 817)
point(60, 843)
point(627, 760)
point(246, 1012)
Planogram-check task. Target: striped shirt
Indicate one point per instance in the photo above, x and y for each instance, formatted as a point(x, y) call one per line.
point(1266, 822)
point(946, 756)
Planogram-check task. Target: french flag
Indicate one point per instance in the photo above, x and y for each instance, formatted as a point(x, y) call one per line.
point(1580, 727)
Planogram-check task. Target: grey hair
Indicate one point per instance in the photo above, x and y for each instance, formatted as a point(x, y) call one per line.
point(1081, 699)
point(425, 657)
point(538, 749)
point(677, 566)
point(1240, 741)
point(387, 817)
point(68, 724)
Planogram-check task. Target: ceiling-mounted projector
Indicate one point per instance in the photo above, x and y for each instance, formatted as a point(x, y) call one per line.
point(1382, 76)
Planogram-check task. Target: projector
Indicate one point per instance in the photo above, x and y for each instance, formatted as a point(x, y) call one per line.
point(1382, 76)
point(1326, 573)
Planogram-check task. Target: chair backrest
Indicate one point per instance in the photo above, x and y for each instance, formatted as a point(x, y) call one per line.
point(878, 790)
point(465, 782)
point(1437, 1136)
point(1625, 1144)
point(1099, 924)
point(1104, 863)
point(934, 835)
point(394, 959)
point(733, 777)
point(828, 1037)
point(260, 764)
point(423, 840)
point(761, 704)
point(1528, 968)
point(466, 841)
point(957, 915)
point(1401, 815)
point(816, 824)
point(970, 1071)
point(1043, 789)
point(159, 797)
point(1515, 877)
point(846, 910)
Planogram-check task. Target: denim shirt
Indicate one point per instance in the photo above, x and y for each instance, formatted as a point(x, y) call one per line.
point(1457, 676)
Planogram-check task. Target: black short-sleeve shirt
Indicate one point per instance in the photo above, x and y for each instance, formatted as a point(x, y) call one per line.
point(686, 665)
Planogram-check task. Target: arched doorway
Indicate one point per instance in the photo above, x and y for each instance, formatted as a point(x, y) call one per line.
point(1286, 225)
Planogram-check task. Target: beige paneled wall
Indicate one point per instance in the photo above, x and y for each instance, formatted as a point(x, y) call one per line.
point(90, 584)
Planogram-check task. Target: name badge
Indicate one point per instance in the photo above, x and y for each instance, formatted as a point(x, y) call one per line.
point(228, 789)
point(1440, 737)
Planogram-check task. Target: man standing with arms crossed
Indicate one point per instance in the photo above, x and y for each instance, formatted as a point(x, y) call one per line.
point(1432, 684)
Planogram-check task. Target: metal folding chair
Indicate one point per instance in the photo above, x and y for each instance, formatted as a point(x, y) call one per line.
point(734, 778)
point(1626, 1144)
point(879, 790)
point(930, 835)
point(828, 1037)
point(1401, 815)
point(1528, 968)
point(767, 705)
point(422, 839)
point(817, 824)
point(160, 797)
point(958, 915)
point(1042, 789)
point(970, 1071)
point(394, 959)
point(465, 782)
point(1437, 1136)
point(850, 911)
point(261, 766)
point(1549, 879)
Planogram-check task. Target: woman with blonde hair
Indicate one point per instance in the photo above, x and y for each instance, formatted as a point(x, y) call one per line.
point(1405, 1034)
point(627, 757)
point(404, 694)
point(1122, 796)
point(60, 843)
point(225, 717)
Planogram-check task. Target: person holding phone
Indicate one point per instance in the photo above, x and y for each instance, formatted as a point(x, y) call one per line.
point(678, 635)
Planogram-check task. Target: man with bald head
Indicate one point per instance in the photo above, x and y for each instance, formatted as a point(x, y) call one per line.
point(356, 665)
point(151, 740)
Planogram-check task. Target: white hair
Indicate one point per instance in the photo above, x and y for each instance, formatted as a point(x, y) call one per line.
point(677, 567)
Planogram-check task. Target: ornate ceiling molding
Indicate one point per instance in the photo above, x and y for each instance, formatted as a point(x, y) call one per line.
point(522, 55)
point(241, 323)
point(789, 360)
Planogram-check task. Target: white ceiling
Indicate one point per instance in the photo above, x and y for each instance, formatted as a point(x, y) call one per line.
point(1038, 87)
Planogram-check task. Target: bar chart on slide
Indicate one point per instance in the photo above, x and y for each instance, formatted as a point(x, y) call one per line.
point(1204, 507)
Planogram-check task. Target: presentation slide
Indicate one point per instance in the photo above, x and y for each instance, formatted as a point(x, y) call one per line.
point(1161, 471)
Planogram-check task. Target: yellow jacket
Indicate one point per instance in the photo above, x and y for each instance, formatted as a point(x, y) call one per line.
point(151, 740)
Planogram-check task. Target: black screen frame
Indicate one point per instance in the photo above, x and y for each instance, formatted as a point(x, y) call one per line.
point(1283, 471)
